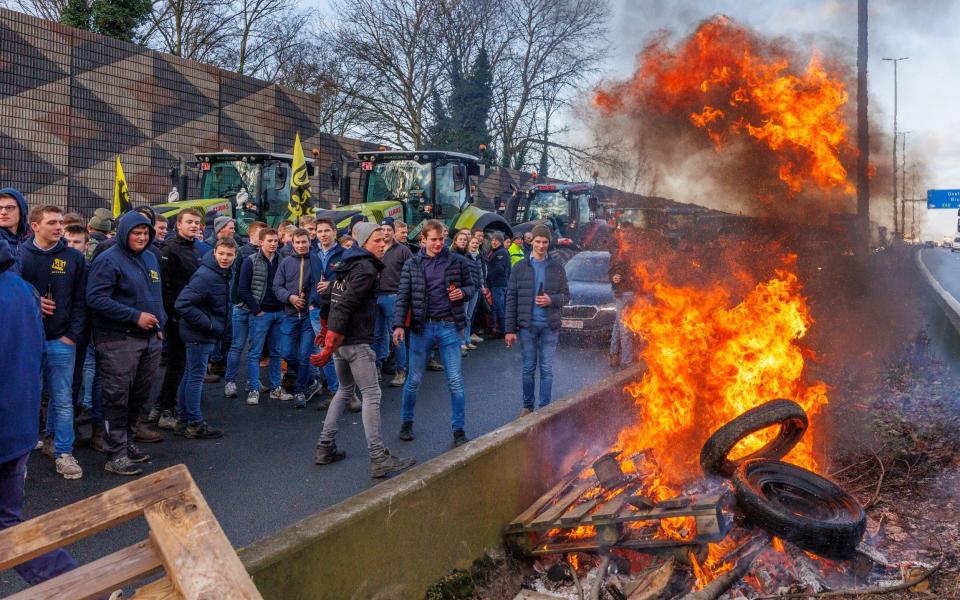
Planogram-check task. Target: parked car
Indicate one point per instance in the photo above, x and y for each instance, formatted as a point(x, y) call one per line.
point(929, 244)
point(955, 245)
point(591, 309)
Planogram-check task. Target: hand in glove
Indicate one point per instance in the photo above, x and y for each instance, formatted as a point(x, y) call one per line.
point(330, 343)
point(322, 336)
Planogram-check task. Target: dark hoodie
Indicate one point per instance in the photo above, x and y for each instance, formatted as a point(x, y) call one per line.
point(16, 240)
point(350, 304)
point(122, 284)
point(22, 332)
point(203, 304)
point(62, 271)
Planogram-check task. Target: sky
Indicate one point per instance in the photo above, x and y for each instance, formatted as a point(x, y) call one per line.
point(926, 31)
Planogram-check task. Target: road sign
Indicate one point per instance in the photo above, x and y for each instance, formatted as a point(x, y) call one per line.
point(943, 198)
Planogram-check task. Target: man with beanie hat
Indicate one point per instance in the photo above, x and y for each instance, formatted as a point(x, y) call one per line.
point(536, 293)
point(14, 228)
point(350, 314)
point(99, 226)
point(125, 300)
point(498, 274)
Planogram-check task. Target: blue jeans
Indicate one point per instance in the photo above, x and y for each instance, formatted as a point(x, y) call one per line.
point(471, 307)
point(240, 324)
point(191, 386)
point(58, 359)
point(297, 347)
point(44, 567)
point(383, 338)
point(329, 370)
point(538, 344)
point(446, 335)
point(264, 329)
point(498, 315)
point(621, 338)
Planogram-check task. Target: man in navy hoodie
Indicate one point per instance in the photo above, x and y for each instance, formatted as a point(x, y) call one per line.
point(57, 273)
point(14, 228)
point(125, 299)
point(20, 406)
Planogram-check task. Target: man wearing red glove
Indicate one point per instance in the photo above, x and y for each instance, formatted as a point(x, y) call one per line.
point(350, 317)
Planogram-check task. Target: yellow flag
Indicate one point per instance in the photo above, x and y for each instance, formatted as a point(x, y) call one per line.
point(121, 196)
point(299, 182)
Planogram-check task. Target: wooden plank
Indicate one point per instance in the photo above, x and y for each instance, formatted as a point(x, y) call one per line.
point(75, 521)
point(573, 517)
point(161, 589)
point(100, 577)
point(196, 553)
point(608, 511)
point(526, 516)
point(547, 518)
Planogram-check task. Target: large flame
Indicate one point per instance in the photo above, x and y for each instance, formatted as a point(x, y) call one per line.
point(709, 359)
point(727, 81)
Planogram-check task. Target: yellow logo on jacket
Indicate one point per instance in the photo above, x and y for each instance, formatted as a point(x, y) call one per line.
point(59, 266)
point(154, 276)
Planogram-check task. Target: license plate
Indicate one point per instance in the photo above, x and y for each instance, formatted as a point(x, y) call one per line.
point(571, 324)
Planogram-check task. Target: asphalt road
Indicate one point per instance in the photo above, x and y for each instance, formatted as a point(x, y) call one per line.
point(260, 476)
point(944, 265)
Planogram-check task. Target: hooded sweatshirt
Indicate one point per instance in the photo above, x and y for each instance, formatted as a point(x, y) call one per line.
point(122, 283)
point(16, 240)
point(61, 271)
point(350, 303)
point(20, 384)
point(204, 303)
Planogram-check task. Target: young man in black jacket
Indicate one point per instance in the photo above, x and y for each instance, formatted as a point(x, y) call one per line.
point(536, 293)
point(179, 260)
point(498, 274)
point(125, 301)
point(58, 274)
point(350, 315)
point(434, 287)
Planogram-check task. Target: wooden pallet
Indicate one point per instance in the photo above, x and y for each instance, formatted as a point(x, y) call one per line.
point(564, 508)
point(186, 542)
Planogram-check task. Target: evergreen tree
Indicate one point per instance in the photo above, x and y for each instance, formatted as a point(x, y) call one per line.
point(438, 135)
point(119, 18)
point(77, 13)
point(461, 125)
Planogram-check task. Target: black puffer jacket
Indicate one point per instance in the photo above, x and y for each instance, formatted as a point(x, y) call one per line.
point(349, 304)
point(179, 260)
point(520, 294)
point(412, 295)
point(204, 303)
point(620, 265)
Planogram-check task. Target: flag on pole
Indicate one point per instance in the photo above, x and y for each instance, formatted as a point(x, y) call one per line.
point(299, 182)
point(121, 195)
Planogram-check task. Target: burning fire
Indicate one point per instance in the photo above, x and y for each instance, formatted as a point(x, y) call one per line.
point(710, 359)
point(732, 84)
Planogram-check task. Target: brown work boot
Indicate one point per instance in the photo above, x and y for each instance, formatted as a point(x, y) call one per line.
point(96, 437)
point(147, 435)
point(614, 361)
point(388, 464)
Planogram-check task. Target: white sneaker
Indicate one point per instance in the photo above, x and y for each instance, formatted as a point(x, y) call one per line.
point(476, 339)
point(253, 397)
point(277, 393)
point(230, 390)
point(68, 467)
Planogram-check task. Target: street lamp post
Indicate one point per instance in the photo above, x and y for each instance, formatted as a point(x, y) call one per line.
point(903, 182)
point(896, 227)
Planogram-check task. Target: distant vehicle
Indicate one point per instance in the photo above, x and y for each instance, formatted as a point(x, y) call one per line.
point(571, 210)
point(947, 241)
point(955, 245)
point(930, 244)
point(591, 309)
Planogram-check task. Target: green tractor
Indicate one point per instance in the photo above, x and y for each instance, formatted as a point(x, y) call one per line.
point(415, 186)
point(247, 186)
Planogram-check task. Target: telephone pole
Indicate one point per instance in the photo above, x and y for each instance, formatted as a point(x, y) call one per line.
point(896, 226)
point(863, 129)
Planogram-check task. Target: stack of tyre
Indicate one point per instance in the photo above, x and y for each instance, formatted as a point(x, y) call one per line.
point(790, 502)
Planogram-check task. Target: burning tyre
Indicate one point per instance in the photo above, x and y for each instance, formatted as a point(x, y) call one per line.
point(788, 414)
point(800, 506)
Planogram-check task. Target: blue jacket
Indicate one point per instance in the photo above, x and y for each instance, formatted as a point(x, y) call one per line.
point(318, 269)
point(21, 336)
point(61, 270)
point(498, 268)
point(15, 240)
point(204, 303)
point(122, 283)
point(290, 280)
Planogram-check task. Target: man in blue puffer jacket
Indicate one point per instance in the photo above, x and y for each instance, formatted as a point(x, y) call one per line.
point(125, 302)
point(20, 406)
point(203, 306)
point(14, 228)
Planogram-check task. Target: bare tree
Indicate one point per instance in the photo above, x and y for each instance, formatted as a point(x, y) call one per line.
point(200, 30)
point(44, 9)
point(395, 49)
point(266, 30)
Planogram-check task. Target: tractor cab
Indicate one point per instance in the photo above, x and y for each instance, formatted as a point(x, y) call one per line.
point(572, 210)
point(247, 186)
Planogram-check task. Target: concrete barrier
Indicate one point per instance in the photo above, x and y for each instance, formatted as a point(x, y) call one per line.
point(397, 538)
point(949, 304)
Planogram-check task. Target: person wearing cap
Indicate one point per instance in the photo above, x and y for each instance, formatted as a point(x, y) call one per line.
point(536, 292)
point(223, 227)
point(394, 257)
point(125, 301)
point(100, 227)
point(435, 286)
point(350, 316)
point(498, 275)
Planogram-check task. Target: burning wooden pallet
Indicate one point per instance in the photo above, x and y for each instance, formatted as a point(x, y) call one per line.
point(579, 515)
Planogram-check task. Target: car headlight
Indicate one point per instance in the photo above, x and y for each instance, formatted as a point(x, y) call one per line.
point(608, 307)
